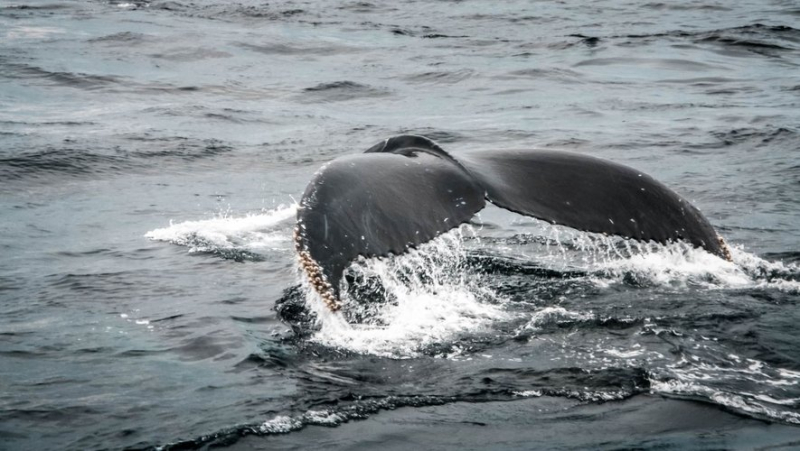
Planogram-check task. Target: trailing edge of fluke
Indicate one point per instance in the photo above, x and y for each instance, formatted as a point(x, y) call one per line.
point(407, 190)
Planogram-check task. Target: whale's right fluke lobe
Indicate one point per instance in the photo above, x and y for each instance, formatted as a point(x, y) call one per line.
point(590, 194)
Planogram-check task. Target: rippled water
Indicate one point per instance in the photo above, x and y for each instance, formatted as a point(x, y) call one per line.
point(151, 157)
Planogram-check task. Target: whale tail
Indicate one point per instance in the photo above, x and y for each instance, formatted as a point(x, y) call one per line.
point(407, 190)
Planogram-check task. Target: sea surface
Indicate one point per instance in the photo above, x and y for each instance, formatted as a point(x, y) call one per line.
point(152, 154)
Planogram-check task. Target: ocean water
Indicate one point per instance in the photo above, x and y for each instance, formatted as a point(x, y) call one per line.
point(152, 154)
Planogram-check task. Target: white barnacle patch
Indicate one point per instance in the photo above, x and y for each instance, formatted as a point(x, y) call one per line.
point(726, 251)
point(313, 273)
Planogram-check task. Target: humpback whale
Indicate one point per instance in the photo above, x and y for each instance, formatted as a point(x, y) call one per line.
point(406, 190)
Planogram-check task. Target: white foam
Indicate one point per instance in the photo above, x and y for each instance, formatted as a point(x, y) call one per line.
point(738, 401)
point(557, 315)
point(529, 393)
point(611, 260)
point(768, 274)
point(252, 232)
point(324, 418)
point(722, 383)
point(280, 425)
point(680, 266)
point(434, 301)
point(625, 354)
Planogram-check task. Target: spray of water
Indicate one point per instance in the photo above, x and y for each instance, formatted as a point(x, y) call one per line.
point(226, 233)
point(610, 260)
point(409, 302)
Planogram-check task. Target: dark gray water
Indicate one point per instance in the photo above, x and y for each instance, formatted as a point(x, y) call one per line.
point(151, 154)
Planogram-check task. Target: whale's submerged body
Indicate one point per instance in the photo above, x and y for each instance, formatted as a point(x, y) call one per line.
point(407, 190)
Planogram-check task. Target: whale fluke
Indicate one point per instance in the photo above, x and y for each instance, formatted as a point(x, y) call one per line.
point(407, 190)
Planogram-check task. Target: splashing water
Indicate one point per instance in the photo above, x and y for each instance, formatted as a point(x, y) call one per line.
point(424, 297)
point(608, 260)
point(397, 306)
point(228, 236)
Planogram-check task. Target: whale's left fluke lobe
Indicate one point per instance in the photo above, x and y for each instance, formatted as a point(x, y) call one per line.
point(406, 190)
point(377, 204)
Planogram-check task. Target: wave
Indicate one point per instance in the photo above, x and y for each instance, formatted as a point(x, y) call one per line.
point(121, 38)
point(277, 48)
point(284, 424)
point(439, 77)
point(758, 137)
point(80, 159)
point(340, 91)
point(126, 85)
point(767, 40)
point(493, 385)
point(67, 161)
point(90, 82)
point(723, 386)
